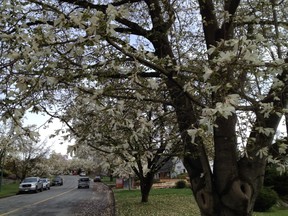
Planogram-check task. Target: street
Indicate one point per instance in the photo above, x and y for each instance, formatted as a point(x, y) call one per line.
point(63, 200)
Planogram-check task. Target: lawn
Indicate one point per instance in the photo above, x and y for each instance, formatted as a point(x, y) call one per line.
point(9, 189)
point(273, 212)
point(173, 202)
point(166, 202)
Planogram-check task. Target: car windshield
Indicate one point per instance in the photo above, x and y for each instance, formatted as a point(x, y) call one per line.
point(30, 180)
point(84, 179)
point(43, 180)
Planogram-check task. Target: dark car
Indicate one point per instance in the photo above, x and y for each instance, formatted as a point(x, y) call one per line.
point(58, 180)
point(84, 182)
point(97, 179)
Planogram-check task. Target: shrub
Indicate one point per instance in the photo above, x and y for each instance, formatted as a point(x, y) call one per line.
point(156, 181)
point(182, 176)
point(267, 197)
point(278, 182)
point(180, 184)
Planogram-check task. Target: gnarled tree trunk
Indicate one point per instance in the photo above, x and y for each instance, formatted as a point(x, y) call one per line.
point(146, 185)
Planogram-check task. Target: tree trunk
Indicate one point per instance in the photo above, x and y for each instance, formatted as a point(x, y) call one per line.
point(236, 198)
point(146, 185)
point(232, 187)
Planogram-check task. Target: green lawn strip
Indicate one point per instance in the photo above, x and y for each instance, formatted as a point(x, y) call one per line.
point(168, 202)
point(274, 211)
point(106, 180)
point(171, 202)
point(9, 189)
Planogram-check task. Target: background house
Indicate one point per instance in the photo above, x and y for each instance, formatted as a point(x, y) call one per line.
point(171, 169)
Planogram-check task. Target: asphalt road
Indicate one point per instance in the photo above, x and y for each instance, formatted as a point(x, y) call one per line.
point(62, 200)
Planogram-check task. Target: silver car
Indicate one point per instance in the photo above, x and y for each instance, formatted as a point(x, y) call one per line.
point(84, 182)
point(31, 184)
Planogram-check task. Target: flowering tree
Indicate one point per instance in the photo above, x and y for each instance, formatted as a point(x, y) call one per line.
point(19, 149)
point(28, 159)
point(135, 138)
point(58, 164)
point(221, 64)
point(6, 144)
point(87, 164)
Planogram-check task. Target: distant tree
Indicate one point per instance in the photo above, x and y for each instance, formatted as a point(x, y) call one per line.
point(81, 163)
point(7, 144)
point(29, 158)
point(15, 142)
point(113, 132)
point(58, 163)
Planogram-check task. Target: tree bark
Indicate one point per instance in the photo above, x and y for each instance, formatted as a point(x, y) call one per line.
point(146, 185)
point(232, 187)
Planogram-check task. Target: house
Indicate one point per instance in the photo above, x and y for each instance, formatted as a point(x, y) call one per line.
point(171, 169)
point(178, 168)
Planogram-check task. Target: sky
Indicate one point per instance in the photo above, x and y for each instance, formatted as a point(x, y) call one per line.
point(55, 143)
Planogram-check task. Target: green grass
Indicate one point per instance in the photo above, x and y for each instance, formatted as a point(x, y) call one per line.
point(172, 202)
point(9, 189)
point(106, 180)
point(274, 211)
point(166, 202)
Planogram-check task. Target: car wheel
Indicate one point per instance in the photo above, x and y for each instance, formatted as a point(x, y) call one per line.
point(36, 190)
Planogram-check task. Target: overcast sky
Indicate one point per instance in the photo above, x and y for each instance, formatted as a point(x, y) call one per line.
point(40, 120)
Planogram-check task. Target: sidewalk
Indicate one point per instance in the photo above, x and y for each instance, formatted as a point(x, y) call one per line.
point(95, 206)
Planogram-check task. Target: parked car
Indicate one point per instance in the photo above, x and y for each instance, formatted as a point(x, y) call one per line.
point(58, 180)
point(84, 182)
point(82, 174)
point(46, 183)
point(31, 184)
point(97, 179)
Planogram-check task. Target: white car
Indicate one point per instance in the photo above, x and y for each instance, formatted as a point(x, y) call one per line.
point(82, 174)
point(46, 183)
point(31, 184)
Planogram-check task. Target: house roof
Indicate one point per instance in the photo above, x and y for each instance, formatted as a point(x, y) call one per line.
point(167, 167)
